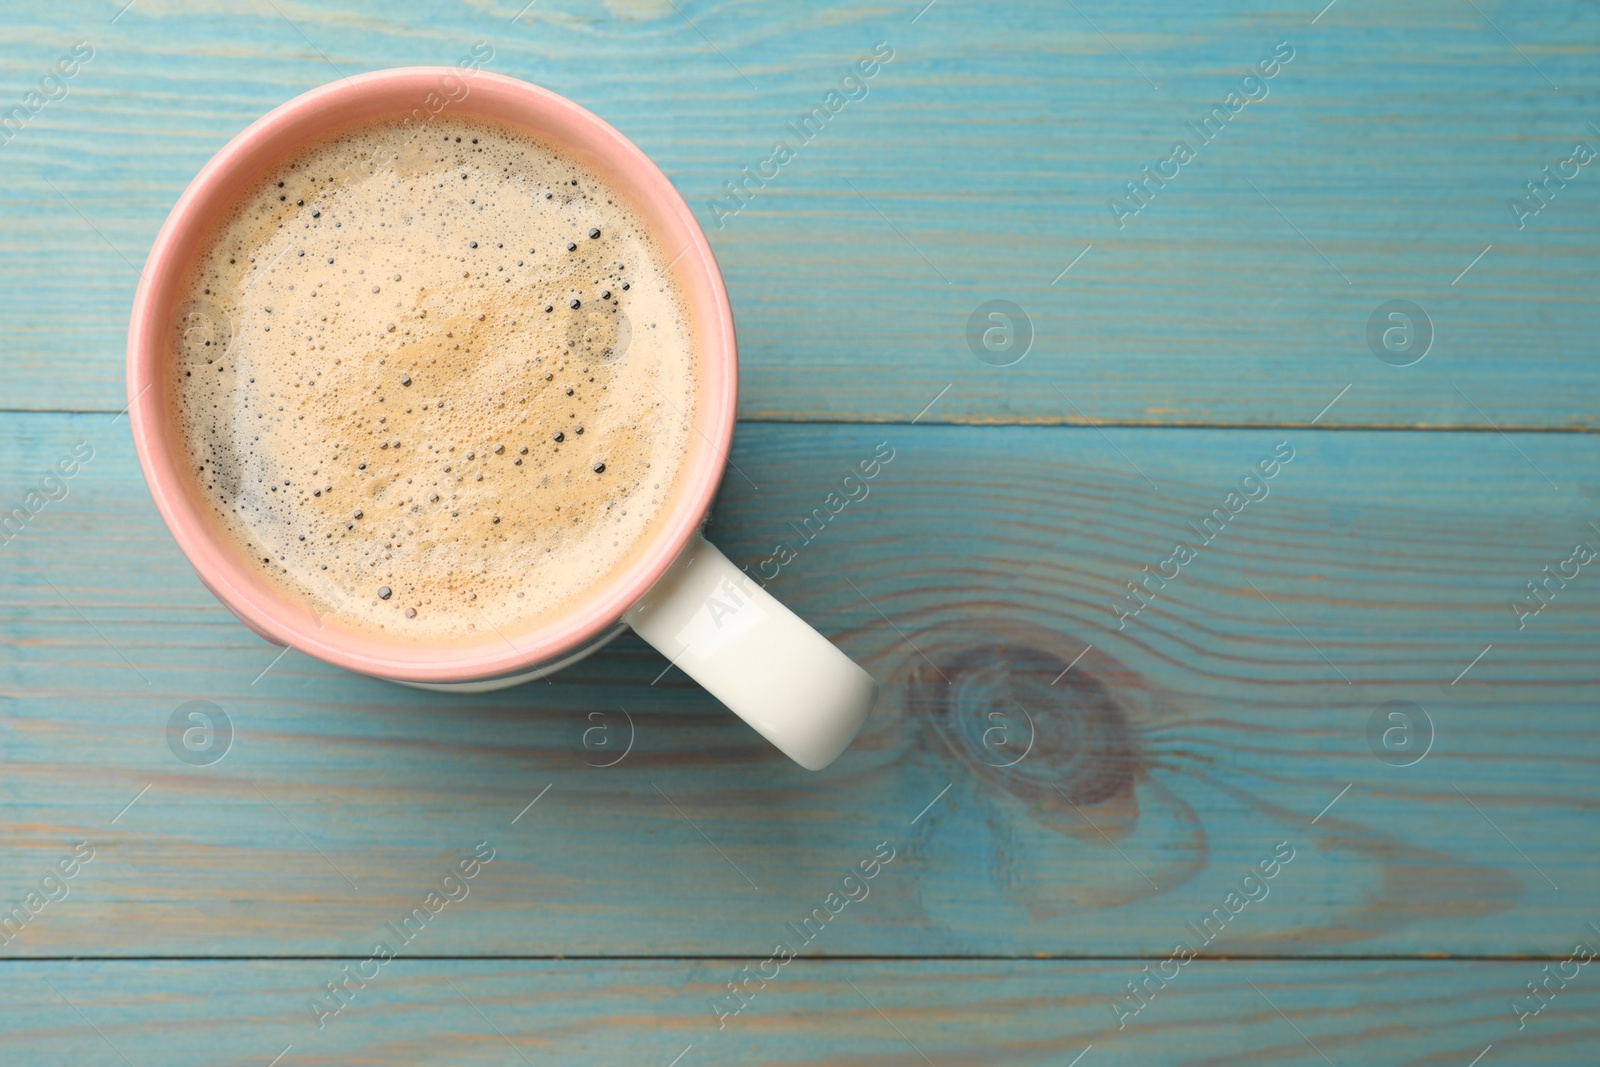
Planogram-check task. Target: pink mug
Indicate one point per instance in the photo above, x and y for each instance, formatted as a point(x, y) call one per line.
point(679, 593)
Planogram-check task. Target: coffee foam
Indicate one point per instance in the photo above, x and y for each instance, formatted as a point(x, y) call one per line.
point(436, 384)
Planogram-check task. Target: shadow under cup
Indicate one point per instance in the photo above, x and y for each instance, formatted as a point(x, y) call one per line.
point(420, 93)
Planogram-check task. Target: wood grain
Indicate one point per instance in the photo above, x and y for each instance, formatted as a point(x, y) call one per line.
point(859, 1013)
point(1164, 765)
point(978, 166)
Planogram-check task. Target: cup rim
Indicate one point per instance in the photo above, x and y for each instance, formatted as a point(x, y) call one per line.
point(261, 603)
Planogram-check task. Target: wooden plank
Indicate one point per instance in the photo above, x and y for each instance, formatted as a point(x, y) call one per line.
point(1229, 715)
point(1017, 1012)
point(978, 167)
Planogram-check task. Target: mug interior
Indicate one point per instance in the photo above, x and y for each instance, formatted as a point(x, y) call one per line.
point(262, 603)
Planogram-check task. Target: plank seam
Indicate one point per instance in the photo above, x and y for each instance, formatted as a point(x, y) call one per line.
point(1056, 423)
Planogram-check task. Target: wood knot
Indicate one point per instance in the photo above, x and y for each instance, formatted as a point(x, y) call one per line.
point(1017, 716)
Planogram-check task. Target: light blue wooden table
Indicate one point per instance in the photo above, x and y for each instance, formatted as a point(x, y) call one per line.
point(1074, 779)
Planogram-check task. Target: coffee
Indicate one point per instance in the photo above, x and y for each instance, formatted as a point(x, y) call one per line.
point(437, 384)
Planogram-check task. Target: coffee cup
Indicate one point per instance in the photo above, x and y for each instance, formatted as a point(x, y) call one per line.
point(677, 591)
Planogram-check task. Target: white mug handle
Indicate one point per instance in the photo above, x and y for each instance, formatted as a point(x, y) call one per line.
point(755, 655)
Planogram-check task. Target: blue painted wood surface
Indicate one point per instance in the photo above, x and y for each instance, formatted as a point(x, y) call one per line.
point(1221, 719)
point(978, 166)
point(1013, 1013)
point(1063, 770)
